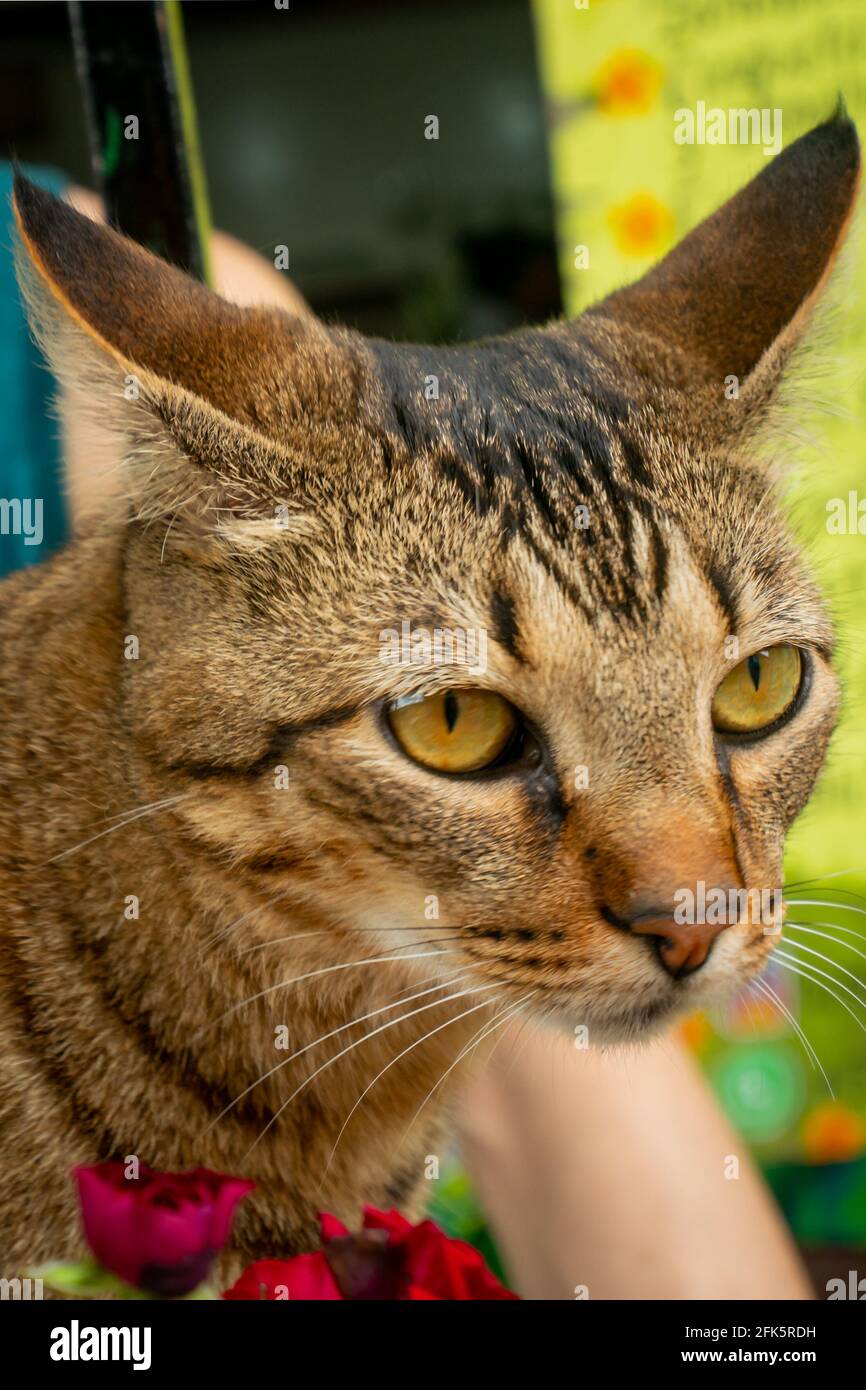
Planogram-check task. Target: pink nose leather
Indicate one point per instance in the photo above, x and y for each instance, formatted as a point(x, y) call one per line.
point(683, 946)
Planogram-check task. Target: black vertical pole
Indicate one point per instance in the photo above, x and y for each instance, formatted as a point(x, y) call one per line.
point(131, 61)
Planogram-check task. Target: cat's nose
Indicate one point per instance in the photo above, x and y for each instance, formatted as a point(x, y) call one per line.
point(683, 947)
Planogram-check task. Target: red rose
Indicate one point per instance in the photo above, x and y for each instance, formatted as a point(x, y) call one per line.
point(305, 1277)
point(160, 1231)
point(388, 1258)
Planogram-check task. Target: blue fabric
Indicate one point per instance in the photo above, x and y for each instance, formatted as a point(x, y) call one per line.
point(30, 457)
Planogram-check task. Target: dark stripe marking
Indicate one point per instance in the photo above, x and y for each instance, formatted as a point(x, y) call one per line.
point(505, 626)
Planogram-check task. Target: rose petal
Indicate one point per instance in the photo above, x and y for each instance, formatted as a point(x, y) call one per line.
point(305, 1277)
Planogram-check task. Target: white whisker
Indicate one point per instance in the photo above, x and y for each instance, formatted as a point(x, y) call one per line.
point(383, 1027)
point(253, 912)
point(828, 960)
point(811, 930)
point(426, 979)
point(395, 1004)
point(327, 931)
point(491, 1026)
point(769, 993)
point(821, 902)
point(394, 1060)
point(748, 1003)
point(137, 815)
point(849, 931)
point(825, 878)
point(786, 964)
point(316, 974)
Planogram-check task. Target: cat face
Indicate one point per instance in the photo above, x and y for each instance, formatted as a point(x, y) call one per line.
point(502, 655)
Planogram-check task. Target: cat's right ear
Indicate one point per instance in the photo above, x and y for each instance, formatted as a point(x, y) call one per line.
point(179, 373)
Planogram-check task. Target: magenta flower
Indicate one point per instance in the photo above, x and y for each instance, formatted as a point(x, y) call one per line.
point(160, 1232)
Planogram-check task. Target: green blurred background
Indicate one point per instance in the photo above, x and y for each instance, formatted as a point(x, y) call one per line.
point(556, 133)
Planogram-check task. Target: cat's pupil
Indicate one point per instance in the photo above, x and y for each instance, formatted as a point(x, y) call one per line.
point(452, 709)
point(754, 665)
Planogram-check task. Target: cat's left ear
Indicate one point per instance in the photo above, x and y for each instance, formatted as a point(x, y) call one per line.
point(729, 303)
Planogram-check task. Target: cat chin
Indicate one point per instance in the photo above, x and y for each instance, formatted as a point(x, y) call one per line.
point(642, 1024)
point(613, 1027)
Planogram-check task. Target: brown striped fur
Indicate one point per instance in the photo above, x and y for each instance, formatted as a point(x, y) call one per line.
point(259, 649)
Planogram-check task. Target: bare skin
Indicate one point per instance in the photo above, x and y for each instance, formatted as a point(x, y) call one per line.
point(598, 1172)
point(604, 1176)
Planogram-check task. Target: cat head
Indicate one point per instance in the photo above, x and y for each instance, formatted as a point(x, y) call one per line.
point(499, 652)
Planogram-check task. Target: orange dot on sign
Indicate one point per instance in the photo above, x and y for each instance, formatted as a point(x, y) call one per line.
point(831, 1133)
point(628, 83)
point(641, 225)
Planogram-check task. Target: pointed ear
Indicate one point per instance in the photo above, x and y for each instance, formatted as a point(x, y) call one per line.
point(739, 290)
point(176, 373)
point(253, 364)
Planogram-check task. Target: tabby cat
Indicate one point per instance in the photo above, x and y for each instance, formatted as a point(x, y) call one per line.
point(240, 826)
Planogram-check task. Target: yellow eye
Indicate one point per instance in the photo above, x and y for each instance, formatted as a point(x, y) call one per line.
point(758, 691)
point(455, 730)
